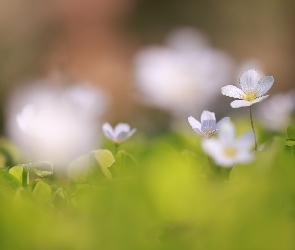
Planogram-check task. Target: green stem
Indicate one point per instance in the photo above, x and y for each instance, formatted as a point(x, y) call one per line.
point(116, 148)
point(253, 128)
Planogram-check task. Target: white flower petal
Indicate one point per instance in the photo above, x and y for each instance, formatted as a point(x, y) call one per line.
point(121, 127)
point(212, 147)
point(227, 133)
point(246, 141)
point(122, 136)
point(132, 132)
point(200, 132)
point(207, 115)
point(244, 157)
point(222, 121)
point(248, 80)
point(108, 131)
point(264, 85)
point(194, 123)
point(260, 99)
point(209, 125)
point(232, 91)
point(240, 103)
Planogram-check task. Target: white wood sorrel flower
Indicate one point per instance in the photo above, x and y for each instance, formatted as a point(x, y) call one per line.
point(119, 133)
point(252, 90)
point(207, 127)
point(227, 150)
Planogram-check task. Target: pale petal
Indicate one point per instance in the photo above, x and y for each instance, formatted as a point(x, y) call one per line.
point(212, 147)
point(227, 133)
point(264, 85)
point(194, 123)
point(244, 157)
point(232, 91)
point(122, 136)
point(240, 103)
point(200, 132)
point(249, 80)
point(108, 131)
point(121, 127)
point(132, 132)
point(246, 141)
point(260, 99)
point(215, 149)
point(209, 125)
point(222, 121)
point(207, 115)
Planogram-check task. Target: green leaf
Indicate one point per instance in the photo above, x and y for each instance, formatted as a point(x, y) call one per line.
point(290, 142)
point(291, 132)
point(42, 191)
point(79, 168)
point(41, 173)
point(125, 164)
point(105, 159)
point(21, 174)
point(8, 183)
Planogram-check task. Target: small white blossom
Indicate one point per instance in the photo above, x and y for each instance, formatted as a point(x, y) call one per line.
point(227, 150)
point(208, 126)
point(252, 91)
point(118, 134)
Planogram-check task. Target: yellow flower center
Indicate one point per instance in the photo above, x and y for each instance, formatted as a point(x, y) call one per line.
point(249, 96)
point(230, 152)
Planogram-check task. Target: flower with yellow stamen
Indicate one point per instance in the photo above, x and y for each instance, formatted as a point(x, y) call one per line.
point(227, 150)
point(252, 89)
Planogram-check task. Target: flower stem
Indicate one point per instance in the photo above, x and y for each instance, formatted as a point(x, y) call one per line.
point(116, 148)
point(253, 128)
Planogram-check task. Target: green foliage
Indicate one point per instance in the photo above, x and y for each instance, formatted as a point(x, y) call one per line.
point(20, 173)
point(93, 165)
point(291, 132)
point(162, 197)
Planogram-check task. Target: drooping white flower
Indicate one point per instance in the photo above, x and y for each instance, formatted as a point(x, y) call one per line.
point(252, 91)
point(276, 113)
point(207, 127)
point(176, 76)
point(119, 133)
point(46, 124)
point(227, 150)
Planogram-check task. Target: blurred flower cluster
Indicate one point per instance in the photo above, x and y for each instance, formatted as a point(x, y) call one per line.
point(184, 75)
point(55, 122)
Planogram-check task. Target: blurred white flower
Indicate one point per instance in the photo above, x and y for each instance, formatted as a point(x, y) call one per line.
point(227, 150)
point(208, 126)
point(184, 75)
point(48, 123)
point(89, 101)
point(275, 114)
point(252, 90)
point(119, 134)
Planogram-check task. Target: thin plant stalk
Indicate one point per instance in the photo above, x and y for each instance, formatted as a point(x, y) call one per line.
point(116, 148)
point(252, 124)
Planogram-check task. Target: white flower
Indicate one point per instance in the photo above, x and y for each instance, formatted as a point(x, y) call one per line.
point(208, 126)
point(227, 150)
point(119, 134)
point(47, 126)
point(178, 75)
point(252, 90)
